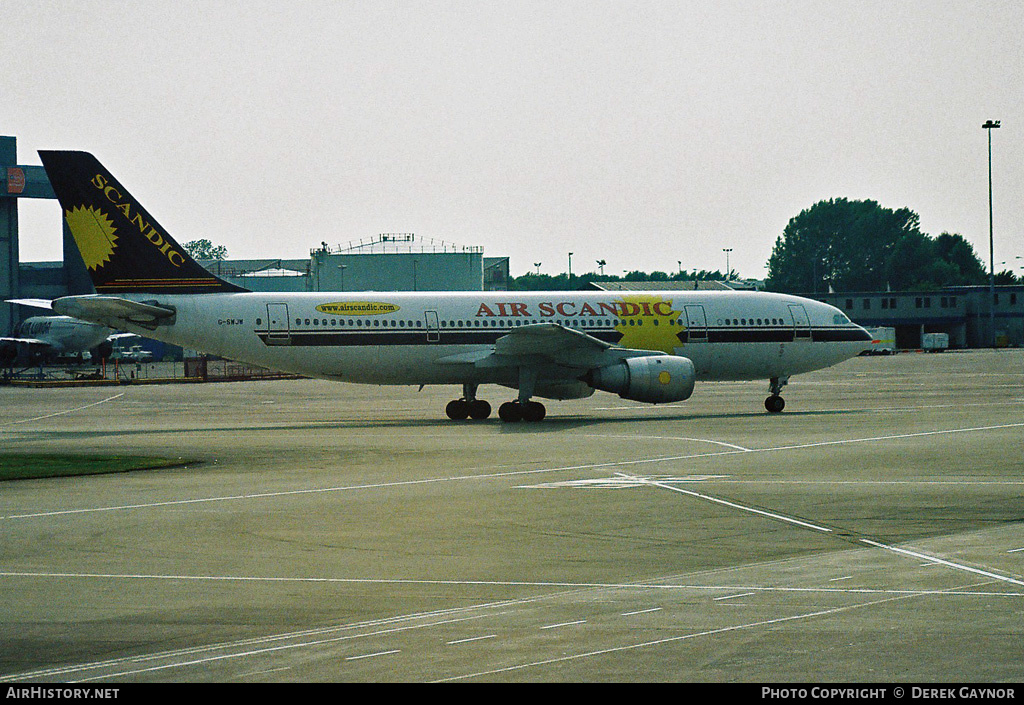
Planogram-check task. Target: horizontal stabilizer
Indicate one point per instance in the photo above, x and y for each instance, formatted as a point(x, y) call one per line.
point(114, 312)
point(26, 341)
point(34, 303)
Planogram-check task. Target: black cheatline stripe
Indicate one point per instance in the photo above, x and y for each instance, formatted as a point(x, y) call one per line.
point(328, 338)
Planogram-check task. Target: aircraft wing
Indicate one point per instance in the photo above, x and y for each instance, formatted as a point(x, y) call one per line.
point(548, 343)
point(113, 311)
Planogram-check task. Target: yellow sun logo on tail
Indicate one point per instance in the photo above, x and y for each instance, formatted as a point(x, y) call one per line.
point(95, 234)
point(655, 325)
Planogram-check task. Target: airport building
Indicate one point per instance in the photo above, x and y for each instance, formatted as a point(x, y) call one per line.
point(962, 312)
point(379, 264)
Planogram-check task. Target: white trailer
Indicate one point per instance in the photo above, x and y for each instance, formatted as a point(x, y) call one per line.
point(935, 342)
point(883, 341)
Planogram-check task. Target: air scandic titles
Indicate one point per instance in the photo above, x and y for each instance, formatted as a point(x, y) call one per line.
point(649, 347)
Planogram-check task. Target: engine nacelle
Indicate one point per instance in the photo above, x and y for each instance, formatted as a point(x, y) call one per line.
point(656, 379)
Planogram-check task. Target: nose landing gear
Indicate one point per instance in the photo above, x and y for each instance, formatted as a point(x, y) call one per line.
point(775, 403)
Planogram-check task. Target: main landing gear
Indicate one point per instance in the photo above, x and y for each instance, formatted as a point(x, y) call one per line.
point(521, 409)
point(468, 407)
point(512, 411)
point(775, 403)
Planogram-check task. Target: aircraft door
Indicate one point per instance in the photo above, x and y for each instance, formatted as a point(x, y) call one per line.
point(801, 323)
point(696, 324)
point(433, 327)
point(278, 329)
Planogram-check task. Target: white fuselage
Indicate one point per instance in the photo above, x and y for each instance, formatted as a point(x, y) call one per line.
point(429, 337)
point(64, 334)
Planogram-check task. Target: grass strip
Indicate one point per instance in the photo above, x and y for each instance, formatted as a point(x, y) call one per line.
point(30, 466)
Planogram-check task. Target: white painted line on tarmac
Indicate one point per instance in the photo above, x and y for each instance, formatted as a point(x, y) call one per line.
point(373, 655)
point(565, 624)
point(647, 611)
point(505, 583)
point(67, 411)
point(947, 563)
point(669, 640)
point(376, 627)
point(472, 638)
point(733, 597)
point(665, 438)
point(735, 505)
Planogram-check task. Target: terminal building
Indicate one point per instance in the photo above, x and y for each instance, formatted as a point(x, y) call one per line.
point(963, 312)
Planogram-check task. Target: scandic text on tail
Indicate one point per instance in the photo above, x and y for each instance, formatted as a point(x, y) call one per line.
point(125, 250)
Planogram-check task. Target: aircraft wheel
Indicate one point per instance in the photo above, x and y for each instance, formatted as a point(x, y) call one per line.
point(534, 411)
point(479, 409)
point(774, 404)
point(510, 412)
point(457, 409)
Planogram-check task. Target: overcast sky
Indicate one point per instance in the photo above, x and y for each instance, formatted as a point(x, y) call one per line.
point(641, 133)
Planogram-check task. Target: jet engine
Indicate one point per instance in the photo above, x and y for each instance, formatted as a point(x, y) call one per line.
point(656, 379)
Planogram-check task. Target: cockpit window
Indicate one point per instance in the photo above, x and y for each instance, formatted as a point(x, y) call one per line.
point(840, 319)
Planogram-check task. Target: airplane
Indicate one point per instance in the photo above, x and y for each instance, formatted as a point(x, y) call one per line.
point(651, 347)
point(56, 336)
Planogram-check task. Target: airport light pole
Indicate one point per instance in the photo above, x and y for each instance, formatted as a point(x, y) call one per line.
point(570, 270)
point(727, 250)
point(989, 126)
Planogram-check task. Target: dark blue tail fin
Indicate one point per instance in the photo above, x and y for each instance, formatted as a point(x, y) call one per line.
point(125, 250)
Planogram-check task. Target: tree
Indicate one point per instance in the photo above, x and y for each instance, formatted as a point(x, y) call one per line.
point(838, 244)
point(204, 249)
point(1007, 277)
point(953, 248)
point(843, 245)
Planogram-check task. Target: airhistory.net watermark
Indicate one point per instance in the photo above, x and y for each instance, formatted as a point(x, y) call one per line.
point(51, 693)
